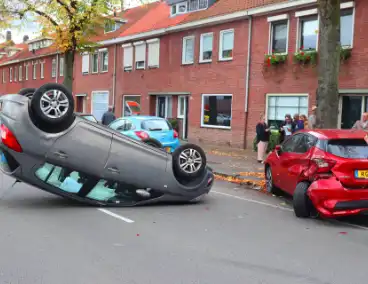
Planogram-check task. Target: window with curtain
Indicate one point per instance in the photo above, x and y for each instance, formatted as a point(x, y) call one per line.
point(308, 32)
point(279, 37)
point(226, 44)
point(206, 47)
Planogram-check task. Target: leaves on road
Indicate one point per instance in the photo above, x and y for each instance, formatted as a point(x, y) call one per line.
point(259, 184)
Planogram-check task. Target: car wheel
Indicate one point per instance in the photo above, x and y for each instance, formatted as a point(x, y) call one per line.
point(153, 142)
point(189, 160)
point(52, 104)
point(269, 181)
point(301, 202)
point(28, 92)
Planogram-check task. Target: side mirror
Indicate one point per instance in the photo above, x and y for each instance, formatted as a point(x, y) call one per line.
point(278, 149)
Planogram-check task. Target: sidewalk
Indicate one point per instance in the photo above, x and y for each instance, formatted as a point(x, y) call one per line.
point(235, 165)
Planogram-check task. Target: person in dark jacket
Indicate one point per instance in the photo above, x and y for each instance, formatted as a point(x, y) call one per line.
point(108, 117)
point(287, 128)
point(263, 137)
point(299, 124)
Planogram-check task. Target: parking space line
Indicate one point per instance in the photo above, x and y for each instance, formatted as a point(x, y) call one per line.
point(115, 215)
point(253, 201)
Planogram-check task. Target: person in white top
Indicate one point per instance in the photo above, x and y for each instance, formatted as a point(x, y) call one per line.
point(363, 123)
point(312, 121)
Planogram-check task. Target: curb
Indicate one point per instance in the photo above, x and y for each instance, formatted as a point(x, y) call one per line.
point(239, 180)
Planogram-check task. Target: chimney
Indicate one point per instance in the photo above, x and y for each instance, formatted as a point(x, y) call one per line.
point(8, 36)
point(25, 38)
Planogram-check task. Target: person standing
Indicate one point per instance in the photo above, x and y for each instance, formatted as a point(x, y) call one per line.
point(312, 121)
point(304, 118)
point(299, 124)
point(108, 116)
point(287, 128)
point(363, 123)
point(263, 137)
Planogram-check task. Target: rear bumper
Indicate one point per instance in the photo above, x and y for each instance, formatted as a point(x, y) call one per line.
point(173, 144)
point(332, 199)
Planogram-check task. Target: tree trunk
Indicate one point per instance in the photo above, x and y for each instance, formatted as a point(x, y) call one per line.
point(68, 70)
point(329, 63)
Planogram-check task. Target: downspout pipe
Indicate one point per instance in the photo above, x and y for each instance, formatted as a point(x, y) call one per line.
point(114, 79)
point(248, 63)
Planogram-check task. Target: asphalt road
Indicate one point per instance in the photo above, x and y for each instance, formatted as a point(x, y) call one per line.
point(234, 236)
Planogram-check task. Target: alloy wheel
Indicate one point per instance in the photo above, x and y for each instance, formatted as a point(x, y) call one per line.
point(54, 103)
point(190, 161)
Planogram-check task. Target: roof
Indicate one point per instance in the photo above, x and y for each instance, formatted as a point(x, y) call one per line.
point(325, 134)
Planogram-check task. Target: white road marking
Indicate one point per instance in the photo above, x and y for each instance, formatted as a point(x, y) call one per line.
point(253, 201)
point(115, 215)
point(349, 224)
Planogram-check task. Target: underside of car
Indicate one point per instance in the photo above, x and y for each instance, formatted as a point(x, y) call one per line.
point(45, 144)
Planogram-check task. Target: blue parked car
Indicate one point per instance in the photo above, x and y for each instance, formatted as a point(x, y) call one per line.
point(153, 130)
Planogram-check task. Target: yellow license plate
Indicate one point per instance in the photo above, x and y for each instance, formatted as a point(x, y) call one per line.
point(361, 174)
point(168, 149)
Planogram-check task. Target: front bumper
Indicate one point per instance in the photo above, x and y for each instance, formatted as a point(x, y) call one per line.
point(332, 199)
point(171, 145)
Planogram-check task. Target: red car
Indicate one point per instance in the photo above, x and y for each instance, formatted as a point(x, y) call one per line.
point(326, 172)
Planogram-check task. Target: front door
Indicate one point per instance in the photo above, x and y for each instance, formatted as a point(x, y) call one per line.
point(161, 107)
point(351, 110)
point(80, 104)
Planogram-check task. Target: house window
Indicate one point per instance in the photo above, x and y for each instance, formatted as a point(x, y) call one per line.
point(346, 28)
point(131, 105)
point(26, 67)
point(53, 70)
point(3, 76)
point(206, 47)
point(278, 106)
point(95, 63)
point(110, 26)
point(42, 70)
point(20, 73)
point(279, 37)
point(11, 74)
point(226, 45)
point(181, 106)
point(34, 71)
point(140, 55)
point(216, 111)
point(188, 50)
point(61, 67)
point(104, 61)
point(128, 57)
point(195, 5)
point(153, 53)
point(179, 8)
point(15, 74)
point(308, 32)
point(85, 63)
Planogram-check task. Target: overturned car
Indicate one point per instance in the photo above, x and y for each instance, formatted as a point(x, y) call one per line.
point(45, 144)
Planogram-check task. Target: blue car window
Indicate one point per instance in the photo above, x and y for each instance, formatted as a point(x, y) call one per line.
point(156, 125)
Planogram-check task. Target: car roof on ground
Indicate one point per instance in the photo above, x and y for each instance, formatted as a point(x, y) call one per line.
point(325, 134)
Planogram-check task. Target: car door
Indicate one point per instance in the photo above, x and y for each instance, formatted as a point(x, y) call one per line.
point(85, 148)
point(135, 163)
point(277, 171)
point(296, 160)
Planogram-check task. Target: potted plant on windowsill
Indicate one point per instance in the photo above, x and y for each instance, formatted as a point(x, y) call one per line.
point(275, 58)
point(345, 52)
point(306, 56)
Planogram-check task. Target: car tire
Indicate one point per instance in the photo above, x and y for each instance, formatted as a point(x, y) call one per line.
point(60, 100)
point(185, 153)
point(301, 202)
point(27, 92)
point(153, 142)
point(270, 187)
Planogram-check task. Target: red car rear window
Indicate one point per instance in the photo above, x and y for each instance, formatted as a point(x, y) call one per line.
point(348, 148)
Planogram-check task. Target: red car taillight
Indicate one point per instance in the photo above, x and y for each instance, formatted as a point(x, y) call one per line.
point(9, 140)
point(141, 134)
point(320, 168)
point(176, 135)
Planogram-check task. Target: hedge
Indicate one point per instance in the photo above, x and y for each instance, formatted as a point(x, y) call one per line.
point(274, 140)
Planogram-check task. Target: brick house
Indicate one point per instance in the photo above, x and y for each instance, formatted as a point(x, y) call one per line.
point(203, 62)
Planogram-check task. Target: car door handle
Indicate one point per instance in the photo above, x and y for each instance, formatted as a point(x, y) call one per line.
point(61, 154)
point(113, 170)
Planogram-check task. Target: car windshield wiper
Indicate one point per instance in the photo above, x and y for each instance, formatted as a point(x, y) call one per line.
point(155, 129)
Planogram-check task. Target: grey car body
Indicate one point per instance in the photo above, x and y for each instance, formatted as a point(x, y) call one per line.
point(96, 151)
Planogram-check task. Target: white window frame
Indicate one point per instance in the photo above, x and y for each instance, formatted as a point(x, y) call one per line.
point(284, 95)
point(273, 20)
point(92, 61)
point(201, 60)
point(11, 74)
point(177, 8)
point(151, 43)
point(100, 91)
point(20, 73)
point(61, 67)
point(199, 9)
point(124, 100)
point(4, 80)
point(84, 55)
point(202, 111)
point(220, 44)
point(102, 51)
point(140, 43)
point(307, 13)
point(26, 69)
point(127, 66)
point(166, 105)
point(53, 68)
point(347, 6)
point(34, 70)
point(42, 69)
point(184, 51)
point(15, 74)
point(179, 106)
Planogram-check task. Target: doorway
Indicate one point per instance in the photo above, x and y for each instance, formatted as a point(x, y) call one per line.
point(80, 104)
point(164, 106)
point(352, 108)
point(183, 102)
